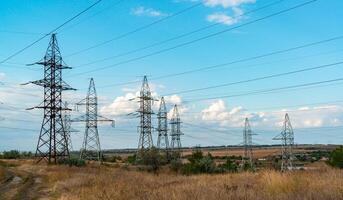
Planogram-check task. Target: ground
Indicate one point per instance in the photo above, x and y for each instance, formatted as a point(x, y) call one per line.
point(23, 179)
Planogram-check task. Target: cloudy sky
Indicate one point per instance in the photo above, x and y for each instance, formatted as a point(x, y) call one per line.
point(219, 60)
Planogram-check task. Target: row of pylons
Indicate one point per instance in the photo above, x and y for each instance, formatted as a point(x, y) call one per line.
point(54, 143)
point(145, 128)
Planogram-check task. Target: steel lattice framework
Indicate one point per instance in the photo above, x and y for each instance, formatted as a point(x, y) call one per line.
point(52, 143)
point(145, 112)
point(247, 142)
point(162, 140)
point(67, 125)
point(91, 149)
point(287, 139)
point(175, 123)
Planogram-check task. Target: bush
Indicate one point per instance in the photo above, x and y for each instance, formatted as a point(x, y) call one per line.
point(77, 162)
point(132, 159)
point(112, 158)
point(176, 165)
point(229, 166)
point(199, 164)
point(151, 158)
point(336, 158)
point(13, 154)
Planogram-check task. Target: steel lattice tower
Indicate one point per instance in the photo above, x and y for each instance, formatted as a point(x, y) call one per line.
point(175, 122)
point(145, 112)
point(91, 149)
point(52, 143)
point(247, 142)
point(67, 125)
point(162, 140)
point(287, 139)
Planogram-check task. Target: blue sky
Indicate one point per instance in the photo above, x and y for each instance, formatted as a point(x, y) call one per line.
point(313, 110)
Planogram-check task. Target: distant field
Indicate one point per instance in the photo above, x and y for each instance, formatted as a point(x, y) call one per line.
point(259, 152)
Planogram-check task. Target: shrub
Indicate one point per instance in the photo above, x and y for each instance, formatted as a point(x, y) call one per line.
point(151, 158)
point(199, 164)
point(13, 154)
point(176, 165)
point(112, 158)
point(336, 158)
point(132, 159)
point(77, 162)
point(229, 166)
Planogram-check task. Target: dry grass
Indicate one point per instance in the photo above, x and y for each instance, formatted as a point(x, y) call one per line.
point(2, 174)
point(101, 182)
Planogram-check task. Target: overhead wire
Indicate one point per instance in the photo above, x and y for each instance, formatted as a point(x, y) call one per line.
point(135, 30)
point(176, 37)
point(52, 31)
point(257, 78)
point(265, 90)
point(195, 40)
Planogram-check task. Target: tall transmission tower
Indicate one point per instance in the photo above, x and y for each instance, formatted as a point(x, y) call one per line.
point(53, 142)
point(287, 139)
point(175, 122)
point(162, 140)
point(91, 149)
point(145, 112)
point(67, 125)
point(247, 142)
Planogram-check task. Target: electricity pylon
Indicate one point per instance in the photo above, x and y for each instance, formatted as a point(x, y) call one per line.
point(162, 140)
point(67, 125)
point(247, 142)
point(91, 149)
point(145, 112)
point(52, 143)
point(175, 123)
point(287, 139)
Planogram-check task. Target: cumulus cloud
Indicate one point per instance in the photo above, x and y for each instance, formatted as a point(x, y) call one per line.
point(303, 117)
point(121, 105)
point(223, 18)
point(227, 3)
point(127, 103)
point(149, 12)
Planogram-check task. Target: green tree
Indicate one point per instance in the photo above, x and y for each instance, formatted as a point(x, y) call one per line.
point(336, 158)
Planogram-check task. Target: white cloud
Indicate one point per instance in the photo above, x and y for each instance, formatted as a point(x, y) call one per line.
point(121, 105)
point(227, 3)
point(149, 12)
point(174, 99)
point(304, 117)
point(127, 103)
point(223, 18)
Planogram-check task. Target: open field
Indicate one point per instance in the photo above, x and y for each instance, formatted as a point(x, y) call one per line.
point(29, 181)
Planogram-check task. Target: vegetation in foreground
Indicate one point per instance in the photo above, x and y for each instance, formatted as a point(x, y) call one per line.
point(129, 178)
point(95, 182)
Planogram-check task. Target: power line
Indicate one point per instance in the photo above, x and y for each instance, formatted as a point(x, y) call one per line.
point(256, 79)
point(238, 61)
point(15, 128)
point(267, 90)
point(52, 31)
point(95, 14)
point(198, 39)
point(285, 90)
point(177, 37)
point(136, 30)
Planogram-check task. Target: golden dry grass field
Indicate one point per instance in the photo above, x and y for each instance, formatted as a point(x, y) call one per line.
point(31, 181)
